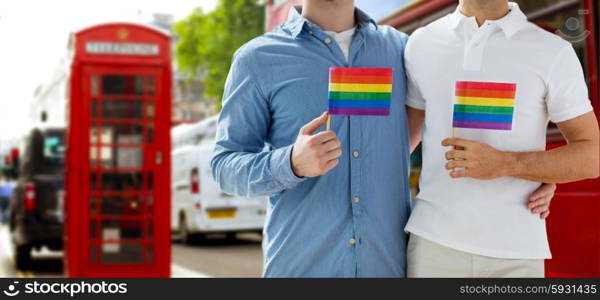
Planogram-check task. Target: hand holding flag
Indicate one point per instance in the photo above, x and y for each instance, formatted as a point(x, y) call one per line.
point(475, 159)
point(315, 154)
point(479, 106)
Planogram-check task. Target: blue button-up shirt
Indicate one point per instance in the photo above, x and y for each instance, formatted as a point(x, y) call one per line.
point(6, 189)
point(348, 222)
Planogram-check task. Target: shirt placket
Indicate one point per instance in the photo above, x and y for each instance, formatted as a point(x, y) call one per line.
point(355, 143)
point(353, 239)
point(475, 41)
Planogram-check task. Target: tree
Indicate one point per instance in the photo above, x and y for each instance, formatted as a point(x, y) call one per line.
point(207, 41)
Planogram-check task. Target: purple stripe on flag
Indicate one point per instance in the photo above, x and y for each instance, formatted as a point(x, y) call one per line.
point(482, 125)
point(359, 111)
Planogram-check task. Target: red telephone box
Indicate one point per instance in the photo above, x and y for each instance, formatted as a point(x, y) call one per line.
point(118, 157)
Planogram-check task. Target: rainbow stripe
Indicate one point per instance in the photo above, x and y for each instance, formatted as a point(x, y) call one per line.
point(484, 105)
point(360, 91)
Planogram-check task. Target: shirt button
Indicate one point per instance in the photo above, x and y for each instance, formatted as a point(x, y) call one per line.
point(355, 154)
point(475, 44)
point(327, 40)
point(352, 241)
point(311, 32)
point(356, 199)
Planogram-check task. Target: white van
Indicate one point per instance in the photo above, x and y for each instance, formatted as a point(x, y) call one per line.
point(198, 205)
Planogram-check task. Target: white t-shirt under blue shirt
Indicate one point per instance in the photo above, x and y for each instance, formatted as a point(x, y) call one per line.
point(343, 39)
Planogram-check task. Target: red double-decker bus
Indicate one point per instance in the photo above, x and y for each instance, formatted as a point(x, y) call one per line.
point(574, 225)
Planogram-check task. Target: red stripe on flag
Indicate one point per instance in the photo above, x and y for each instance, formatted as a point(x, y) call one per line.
point(361, 71)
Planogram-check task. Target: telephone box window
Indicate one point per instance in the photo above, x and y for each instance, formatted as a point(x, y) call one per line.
point(150, 253)
point(149, 230)
point(122, 85)
point(121, 181)
point(150, 110)
point(150, 89)
point(94, 108)
point(93, 229)
point(123, 229)
point(122, 205)
point(116, 253)
point(94, 85)
point(150, 134)
point(93, 251)
point(122, 109)
point(93, 205)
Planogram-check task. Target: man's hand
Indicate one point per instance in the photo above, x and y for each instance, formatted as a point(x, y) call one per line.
point(315, 155)
point(474, 159)
point(577, 160)
point(539, 201)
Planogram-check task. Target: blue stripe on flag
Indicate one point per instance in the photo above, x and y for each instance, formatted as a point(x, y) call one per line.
point(502, 118)
point(359, 103)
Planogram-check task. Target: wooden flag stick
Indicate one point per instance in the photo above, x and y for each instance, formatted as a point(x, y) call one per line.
point(454, 135)
point(328, 122)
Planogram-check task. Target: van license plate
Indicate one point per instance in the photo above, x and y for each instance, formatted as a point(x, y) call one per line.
point(221, 214)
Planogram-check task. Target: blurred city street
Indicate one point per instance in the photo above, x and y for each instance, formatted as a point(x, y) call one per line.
point(214, 257)
point(104, 169)
point(241, 257)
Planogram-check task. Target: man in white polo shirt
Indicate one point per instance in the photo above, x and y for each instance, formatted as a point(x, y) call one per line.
point(497, 79)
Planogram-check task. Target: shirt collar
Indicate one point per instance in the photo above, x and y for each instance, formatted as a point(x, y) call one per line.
point(510, 24)
point(295, 21)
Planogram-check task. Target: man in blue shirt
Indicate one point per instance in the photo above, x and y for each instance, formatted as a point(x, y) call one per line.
point(6, 188)
point(339, 199)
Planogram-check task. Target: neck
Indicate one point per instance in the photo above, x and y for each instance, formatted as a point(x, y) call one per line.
point(484, 10)
point(330, 15)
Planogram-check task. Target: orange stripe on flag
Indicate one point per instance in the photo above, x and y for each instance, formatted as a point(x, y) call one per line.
point(485, 93)
point(361, 71)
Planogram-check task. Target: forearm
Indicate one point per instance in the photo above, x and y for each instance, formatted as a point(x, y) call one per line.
point(415, 139)
point(253, 174)
point(416, 118)
point(572, 162)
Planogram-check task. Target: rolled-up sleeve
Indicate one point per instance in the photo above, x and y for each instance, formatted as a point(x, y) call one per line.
point(240, 165)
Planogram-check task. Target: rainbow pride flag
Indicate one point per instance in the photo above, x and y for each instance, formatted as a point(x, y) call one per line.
point(360, 91)
point(484, 105)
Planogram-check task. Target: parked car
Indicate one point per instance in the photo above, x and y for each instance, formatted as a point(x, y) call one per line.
point(198, 205)
point(36, 205)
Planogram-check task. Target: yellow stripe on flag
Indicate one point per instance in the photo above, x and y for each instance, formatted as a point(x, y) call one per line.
point(485, 101)
point(357, 87)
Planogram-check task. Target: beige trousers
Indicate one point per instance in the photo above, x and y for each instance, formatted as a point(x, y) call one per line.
point(429, 259)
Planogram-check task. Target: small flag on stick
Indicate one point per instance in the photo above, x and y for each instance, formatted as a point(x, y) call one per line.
point(360, 91)
point(484, 105)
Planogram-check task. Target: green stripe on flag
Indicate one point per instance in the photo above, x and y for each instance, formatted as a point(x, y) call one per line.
point(359, 96)
point(478, 109)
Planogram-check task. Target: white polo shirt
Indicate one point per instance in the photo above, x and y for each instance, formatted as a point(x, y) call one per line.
point(488, 217)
